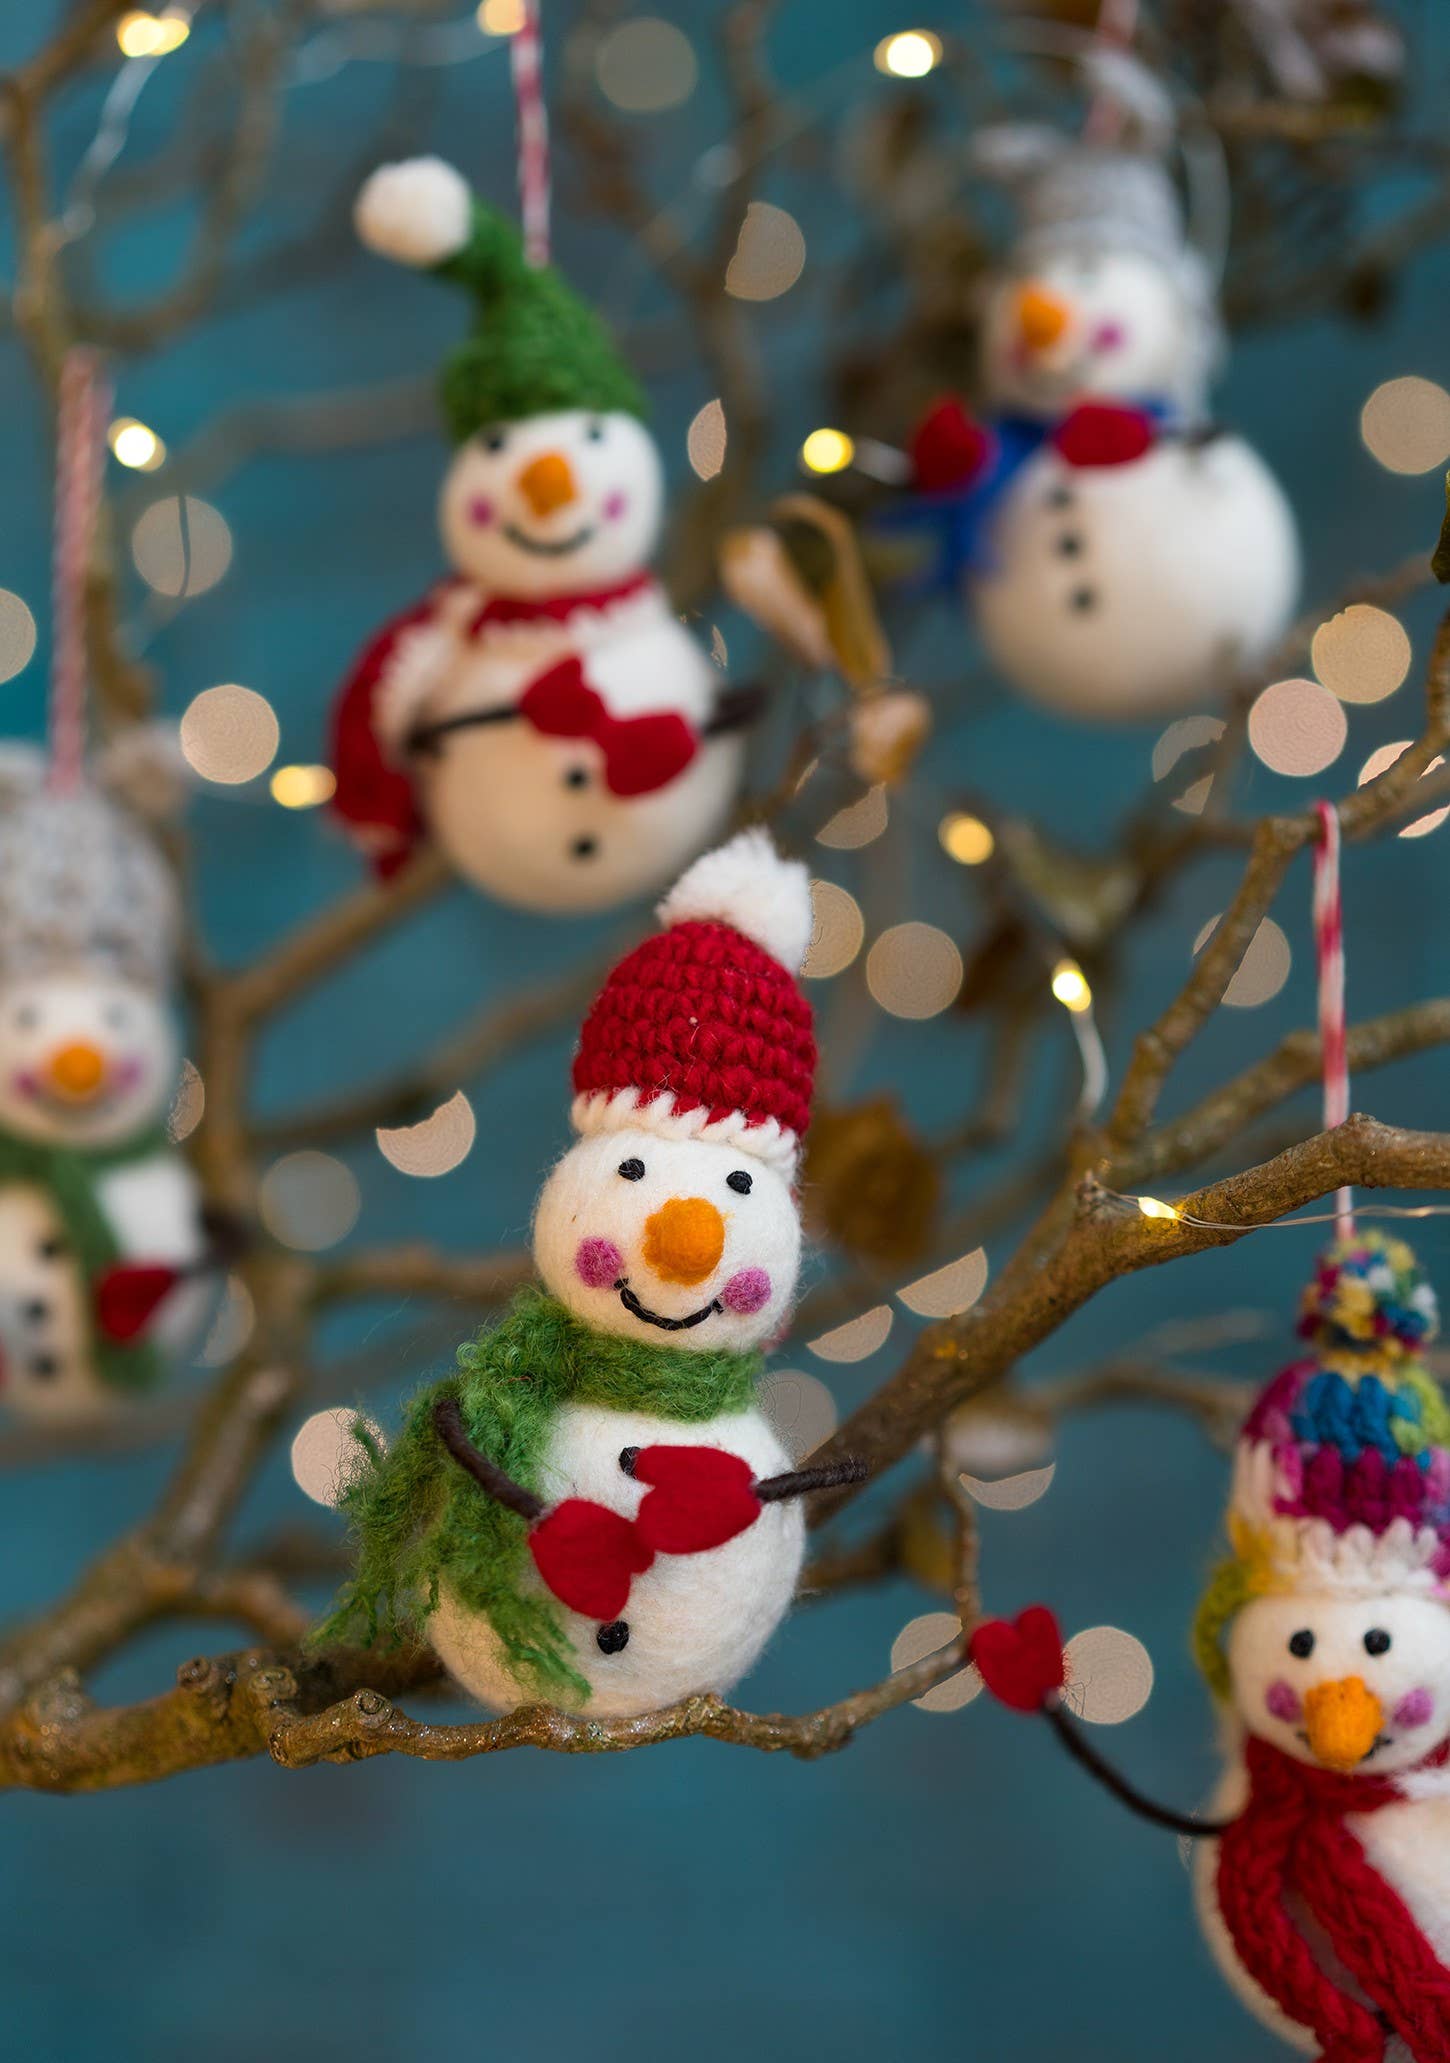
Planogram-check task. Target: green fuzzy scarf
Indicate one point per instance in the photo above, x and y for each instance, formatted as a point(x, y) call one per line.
point(71, 1179)
point(419, 1518)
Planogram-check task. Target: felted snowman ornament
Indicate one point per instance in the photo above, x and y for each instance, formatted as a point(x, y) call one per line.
point(1122, 555)
point(101, 1238)
point(592, 1510)
point(542, 713)
point(1323, 1869)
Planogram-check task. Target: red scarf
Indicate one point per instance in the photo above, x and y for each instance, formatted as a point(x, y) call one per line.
point(504, 609)
point(1292, 1838)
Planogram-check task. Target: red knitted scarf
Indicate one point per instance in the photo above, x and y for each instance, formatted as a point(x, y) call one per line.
point(1292, 1839)
point(505, 609)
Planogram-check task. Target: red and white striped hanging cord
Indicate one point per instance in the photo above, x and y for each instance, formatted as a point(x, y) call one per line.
point(83, 416)
point(1329, 957)
point(526, 62)
point(1116, 28)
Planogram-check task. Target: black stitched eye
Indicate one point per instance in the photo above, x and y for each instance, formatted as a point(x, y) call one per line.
point(493, 440)
point(739, 1182)
point(632, 1170)
point(595, 432)
point(27, 1017)
point(1301, 1643)
point(1377, 1641)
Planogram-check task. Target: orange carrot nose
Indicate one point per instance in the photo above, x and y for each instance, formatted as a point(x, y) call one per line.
point(1343, 1719)
point(547, 483)
point(1042, 316)
point(684, 1239)
point(77, 1070)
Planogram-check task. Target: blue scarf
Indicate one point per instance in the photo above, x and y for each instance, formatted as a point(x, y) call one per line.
point(961, 519)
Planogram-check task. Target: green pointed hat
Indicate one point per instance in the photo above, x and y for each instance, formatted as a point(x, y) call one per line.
point(535, 345)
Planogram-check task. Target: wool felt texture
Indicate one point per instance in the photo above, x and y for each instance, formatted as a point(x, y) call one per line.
point(589, 1554)
point(1021, 1661)
point(693, 1622)
point(641, 753)
point(592, 1231)
point(701, 1023)
point(1115, 591)
point(82, 883)
point(420, 1520)
point(71, 1179)
point(746, 884)
point(1292, 1840)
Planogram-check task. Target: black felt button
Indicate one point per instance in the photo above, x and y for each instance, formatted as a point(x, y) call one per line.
point(612, 1638)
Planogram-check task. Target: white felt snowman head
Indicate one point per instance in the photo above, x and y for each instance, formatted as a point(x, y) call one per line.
point(88, 923)
point(1347, 1682)
point(566, 501)
point(1102, 295)
point(1335, 1611)
point(674, 1218)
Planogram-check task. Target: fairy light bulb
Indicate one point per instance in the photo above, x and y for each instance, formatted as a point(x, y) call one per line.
point(1071, 988)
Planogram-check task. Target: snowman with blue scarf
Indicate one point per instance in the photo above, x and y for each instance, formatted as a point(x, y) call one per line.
point(1123, 556)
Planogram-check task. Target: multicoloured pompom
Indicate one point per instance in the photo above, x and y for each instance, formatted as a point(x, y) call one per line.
point(1369, 1309)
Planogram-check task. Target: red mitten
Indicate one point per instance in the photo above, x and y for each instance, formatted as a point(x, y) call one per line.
point(1100, 433)
point(1021, 1660)
point(126, 1297)
point(701, 1497)
point(588, 1556)
point(948, 449)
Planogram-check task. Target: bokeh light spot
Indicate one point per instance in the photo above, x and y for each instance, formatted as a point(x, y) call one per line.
point(914, 970)
point(181, 546)
point(801, 1409)
point(188, 1105)
point(949, 1290)
point(1405, 424)
point(230, 734)
point(770, 254)
point(326, 1454)
point(646, 65)
point(17, 635)
point(858, 824)
point(1380, 761)
point(966, 838)
point(857, 1339)
point(1263, 970)
point(839, 931)
point(437, 1144)
point(1362, 654)
point(1298, 727)
point(309, 1201)
point(1109, 1675)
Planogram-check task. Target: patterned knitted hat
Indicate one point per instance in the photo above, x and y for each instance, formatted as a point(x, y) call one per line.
point(1342, 1473)
point(702, 1032)
point(83, 888)
point(535, 345)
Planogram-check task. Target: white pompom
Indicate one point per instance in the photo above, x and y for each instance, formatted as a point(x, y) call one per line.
point(416, 213)
point(747, 885)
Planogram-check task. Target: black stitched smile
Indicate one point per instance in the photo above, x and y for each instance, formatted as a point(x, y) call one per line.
point(548, 548)
point(632, 1304)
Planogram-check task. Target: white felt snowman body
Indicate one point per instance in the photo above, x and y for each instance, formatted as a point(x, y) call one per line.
point(531, 817)
point(696, 1622)
point(1130, 591)
point(1124, 582)
point(555, 792)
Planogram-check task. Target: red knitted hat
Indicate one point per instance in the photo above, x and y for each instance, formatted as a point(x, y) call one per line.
point(702, 1032)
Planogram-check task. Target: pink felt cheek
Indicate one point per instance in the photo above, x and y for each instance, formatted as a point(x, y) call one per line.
point(481, 511)
point(598, 1263)
point(1282, 1701)
point(1109, 336)
point(746, 1292)
point(615, 505)
point(24, 1083)
point(129, 1073)
point(1414, 1708)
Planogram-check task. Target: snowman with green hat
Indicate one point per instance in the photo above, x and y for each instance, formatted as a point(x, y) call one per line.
point(542, 713)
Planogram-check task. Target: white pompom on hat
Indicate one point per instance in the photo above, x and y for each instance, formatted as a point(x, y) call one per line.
point(418, 213)
point(703, 1031)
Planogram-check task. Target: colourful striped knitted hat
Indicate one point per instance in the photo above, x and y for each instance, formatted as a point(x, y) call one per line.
point(702, 1032)
point(1342, 1471)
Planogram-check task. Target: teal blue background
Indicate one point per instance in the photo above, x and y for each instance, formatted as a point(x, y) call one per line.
point(947, 1887)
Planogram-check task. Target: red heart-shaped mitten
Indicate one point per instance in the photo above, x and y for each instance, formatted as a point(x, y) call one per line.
point(701, 1497)
point(948, 449)
point(588, 1556)
point(1021, 1660)
point(127, 1295)
point(1102, 433)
